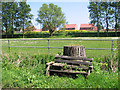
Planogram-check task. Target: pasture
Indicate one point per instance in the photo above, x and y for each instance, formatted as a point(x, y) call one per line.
point(58, 43)
point(26, 67)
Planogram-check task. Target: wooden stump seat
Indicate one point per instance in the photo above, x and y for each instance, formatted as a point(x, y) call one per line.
point(73, 61)
point(69, 64)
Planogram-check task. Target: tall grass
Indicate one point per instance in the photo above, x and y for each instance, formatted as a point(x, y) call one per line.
point(28, 71)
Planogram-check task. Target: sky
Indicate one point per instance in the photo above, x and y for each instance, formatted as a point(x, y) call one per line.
point(75, 12)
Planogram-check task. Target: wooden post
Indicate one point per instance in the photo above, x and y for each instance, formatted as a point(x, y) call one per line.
point(9, 45)
point(74, 51)
point(112, 49)
point(48, 47)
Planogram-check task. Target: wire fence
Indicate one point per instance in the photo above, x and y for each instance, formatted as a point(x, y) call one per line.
point(59, 43)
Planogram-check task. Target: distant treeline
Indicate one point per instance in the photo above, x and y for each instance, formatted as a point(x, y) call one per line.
point(105, 14)
point(15, 15)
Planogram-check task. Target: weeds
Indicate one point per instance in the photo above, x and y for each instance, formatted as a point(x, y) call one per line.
point(30, 72)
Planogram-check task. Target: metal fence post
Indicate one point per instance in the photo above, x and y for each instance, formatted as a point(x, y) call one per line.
point(112, 48)
point(9, 45)
point(48, 46)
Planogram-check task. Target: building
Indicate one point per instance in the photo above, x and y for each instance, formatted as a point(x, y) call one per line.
point(30, 28)
point(88, 27)
point(71, 27)
point(45, 28)
point(37, 30)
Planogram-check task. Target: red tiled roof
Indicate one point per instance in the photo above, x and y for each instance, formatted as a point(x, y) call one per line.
point(95, 28)
point(86, 25)
point(70, 25)
point(37, 30)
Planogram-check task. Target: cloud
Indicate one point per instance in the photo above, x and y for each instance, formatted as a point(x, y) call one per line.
point(35, 23)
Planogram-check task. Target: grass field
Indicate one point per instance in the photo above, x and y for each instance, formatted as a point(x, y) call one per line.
point(58, 43)
point(30, 72)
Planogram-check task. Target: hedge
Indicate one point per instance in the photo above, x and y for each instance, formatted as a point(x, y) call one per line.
point(63, 34)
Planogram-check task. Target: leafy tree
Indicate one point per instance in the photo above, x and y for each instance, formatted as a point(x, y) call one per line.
point(24, 15)
point(8, 16)
point(13, 12)
point(95, 14)
point(51, 17)
point(5, 16)
point(119, 16)
point(107, 14)
point(30, 28)
point(104, 14)
point(15, 15)
point(1, 26)
point(116, 14)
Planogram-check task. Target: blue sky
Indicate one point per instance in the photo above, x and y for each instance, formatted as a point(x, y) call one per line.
point(75, 12)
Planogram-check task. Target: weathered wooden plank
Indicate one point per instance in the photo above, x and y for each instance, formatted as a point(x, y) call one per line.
point(72, 66)
point(69, 71)
point(73, 58)
point(91, 67)
point(50, 63)
point(88, 72)
point(47, 70)
point(48, 67)
point(74, 62)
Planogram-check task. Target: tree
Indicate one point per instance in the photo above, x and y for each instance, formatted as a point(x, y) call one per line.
point(5, 16)
point(95, 14)
point(51, 17)
point(116, 14)
point(24, 15)
point(119, 16)
point(13, 12)
point(8, 16)
point(30, 28)
point(107, 14)
point(15, 15)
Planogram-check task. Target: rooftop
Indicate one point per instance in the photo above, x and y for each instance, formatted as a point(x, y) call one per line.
point(86, 25)
point(70, 25)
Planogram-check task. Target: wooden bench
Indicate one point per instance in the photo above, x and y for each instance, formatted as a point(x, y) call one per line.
point(70, 65)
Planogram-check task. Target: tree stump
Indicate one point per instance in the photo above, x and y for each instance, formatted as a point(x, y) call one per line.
point(74, 51)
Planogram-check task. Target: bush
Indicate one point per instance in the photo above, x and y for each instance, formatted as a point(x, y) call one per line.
point(63, 34)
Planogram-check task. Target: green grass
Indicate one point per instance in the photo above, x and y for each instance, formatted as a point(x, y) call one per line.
point(30, 73)
point(58, 43)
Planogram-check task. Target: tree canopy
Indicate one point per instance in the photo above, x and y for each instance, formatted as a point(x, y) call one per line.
point(95, 14)
point(15, 15)
point(51, 17)
point(104, 14)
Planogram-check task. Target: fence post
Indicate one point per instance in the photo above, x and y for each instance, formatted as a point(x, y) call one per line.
point(9, 45)
point(112, 48)
point(48, 47)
